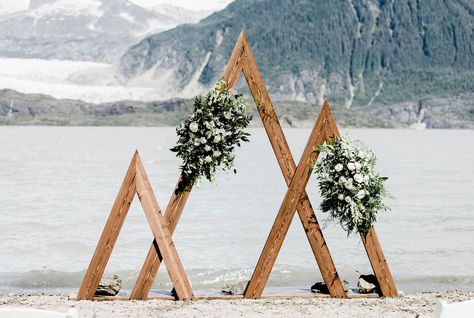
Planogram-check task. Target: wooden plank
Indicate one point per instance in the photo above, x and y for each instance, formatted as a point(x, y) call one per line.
point(162, 235)
point(287, 210)
point(379, 264)
point(109, 234)
point(288, 166)
point(153, 259)
point(371, 242)
point(176, 204)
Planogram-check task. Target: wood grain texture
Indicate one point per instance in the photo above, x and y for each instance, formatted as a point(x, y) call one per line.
point(379, 264)
point(176, 204)
point(288, 208)
point(109, 234)
point(162, 235)
point(288, 166)
point(136, 181)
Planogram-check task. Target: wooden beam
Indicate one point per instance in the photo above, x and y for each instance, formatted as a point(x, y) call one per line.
point(371, 242)
point(288, 208)
point(379, 264)
point(109, 234)
point(288, 167)
point(159, 226)
point(176, 204)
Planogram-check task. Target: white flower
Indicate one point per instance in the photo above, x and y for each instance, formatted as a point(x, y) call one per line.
point(338, 167)
point(197, 142)
point(193, 126)
point(366, 179)
point(207, 148)
point(216, 153)
point(227, 115)
point(342, 179)
point(348, 184)
point(358, 178)
point(208, 159)
point(348, 199)
point(340, 196)
point(357, 165)
point(351, 166)
point(217, 139)
point(360, 194)
point(203, 140)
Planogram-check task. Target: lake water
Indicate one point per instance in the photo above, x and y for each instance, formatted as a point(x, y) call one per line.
point(57, 185)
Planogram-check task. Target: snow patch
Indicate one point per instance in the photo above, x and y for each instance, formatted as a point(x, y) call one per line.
point(377, 93)
point(126, 16)
point(194, 87)
point(351, 95)
point(219, 38)
point(68, 8)
point(322, 92)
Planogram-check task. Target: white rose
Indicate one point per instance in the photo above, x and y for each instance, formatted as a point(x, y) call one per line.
point(342, 179)
point(203, 140)
point(351, 166)
point(358, 178)
point(338, 167)
point(348, 199)
point(207, 148)
point(348, 184)
point(366, 179)
point(340, 196)
point(361, 194)
point(358, 166)
point(216, 153)
point(197, 142)
point(193, 126)
point(217, 139)
point(208, 159)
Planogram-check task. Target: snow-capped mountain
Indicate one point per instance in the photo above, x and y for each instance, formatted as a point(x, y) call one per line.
point(86, 30)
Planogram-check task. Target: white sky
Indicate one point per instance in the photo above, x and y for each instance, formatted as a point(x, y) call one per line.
point(9, 6)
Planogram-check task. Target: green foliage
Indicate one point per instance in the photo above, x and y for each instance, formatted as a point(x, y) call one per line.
point(351, 190)
point(208, 137)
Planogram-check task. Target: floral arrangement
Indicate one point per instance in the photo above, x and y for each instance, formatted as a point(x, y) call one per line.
point(207, 138)
point(351, 190)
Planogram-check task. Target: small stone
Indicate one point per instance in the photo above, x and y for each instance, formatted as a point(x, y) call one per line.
point(109, 286)
point(320, 287)
point(235, 288)
point(367, 284)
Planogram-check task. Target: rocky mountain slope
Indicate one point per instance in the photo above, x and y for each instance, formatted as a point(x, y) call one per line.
point(354, 52)
point(86, 30)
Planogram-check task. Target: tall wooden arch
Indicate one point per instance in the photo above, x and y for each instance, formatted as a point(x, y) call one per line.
point(243, 62)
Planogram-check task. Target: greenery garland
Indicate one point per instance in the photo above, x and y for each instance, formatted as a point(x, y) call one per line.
point(351, 190)
point(207, 138)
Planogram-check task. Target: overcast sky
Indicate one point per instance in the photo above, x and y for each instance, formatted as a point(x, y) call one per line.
point(9, 6)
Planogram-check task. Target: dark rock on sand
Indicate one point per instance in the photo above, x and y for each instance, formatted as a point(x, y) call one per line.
point(367, 284)
point(321, 287)
point(109, 286)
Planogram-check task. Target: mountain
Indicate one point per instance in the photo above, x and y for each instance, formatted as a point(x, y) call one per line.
point(354, 52)
point(87, 30)
point(39, 109)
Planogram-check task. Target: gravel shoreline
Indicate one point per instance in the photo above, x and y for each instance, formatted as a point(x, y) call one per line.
point(410, 305)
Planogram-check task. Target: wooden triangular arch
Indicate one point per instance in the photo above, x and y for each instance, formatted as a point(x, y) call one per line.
point(136, 181)
point(243, 61)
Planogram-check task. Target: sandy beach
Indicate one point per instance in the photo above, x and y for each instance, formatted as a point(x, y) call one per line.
point(410, 305)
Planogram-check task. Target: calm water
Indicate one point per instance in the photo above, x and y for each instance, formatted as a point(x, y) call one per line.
point(57, 185)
